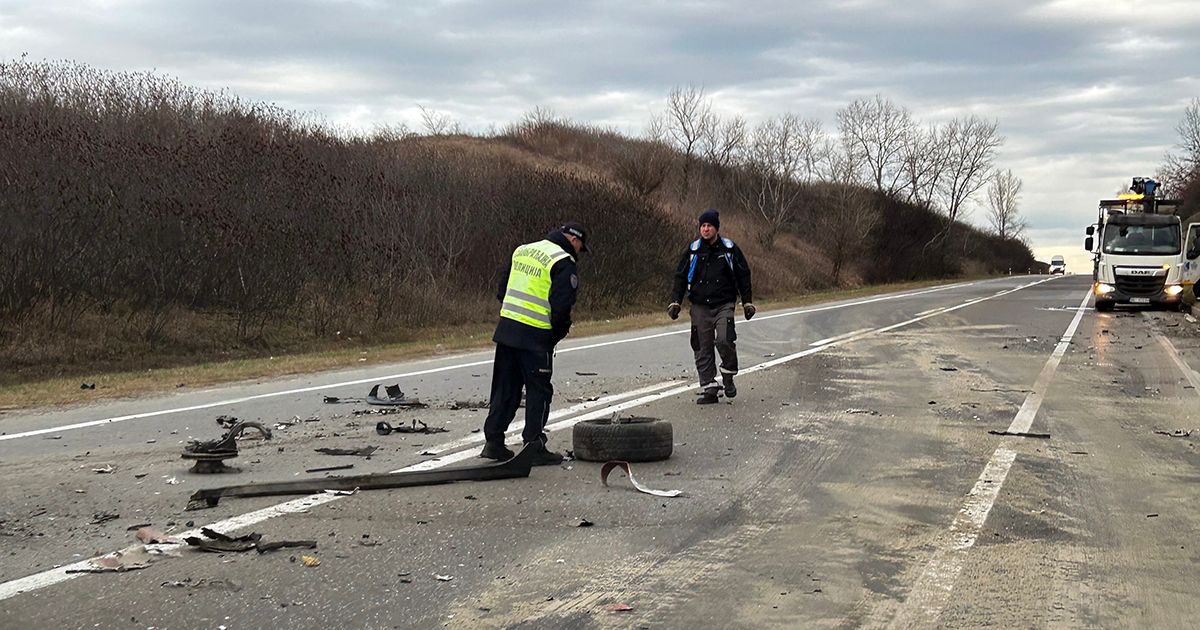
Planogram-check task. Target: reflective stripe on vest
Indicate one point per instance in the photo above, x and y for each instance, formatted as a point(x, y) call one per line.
point(527, 297)
point(728, 256)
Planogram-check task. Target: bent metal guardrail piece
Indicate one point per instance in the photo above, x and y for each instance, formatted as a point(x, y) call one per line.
point(518, 466)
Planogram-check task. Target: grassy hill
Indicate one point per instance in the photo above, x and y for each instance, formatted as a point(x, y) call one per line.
point(148, 223)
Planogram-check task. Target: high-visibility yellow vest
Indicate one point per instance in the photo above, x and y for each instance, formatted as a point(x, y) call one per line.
point(527, 298)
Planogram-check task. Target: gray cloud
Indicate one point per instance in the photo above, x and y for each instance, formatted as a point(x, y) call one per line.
point(1086, 93)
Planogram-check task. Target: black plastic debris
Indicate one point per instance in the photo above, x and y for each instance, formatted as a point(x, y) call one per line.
point(210, 456)
point(329, 468)
point(385, 428)
point(87, 386)
point(363, 451)
point(393, 397)
point(1024, 434)
point(216, 542)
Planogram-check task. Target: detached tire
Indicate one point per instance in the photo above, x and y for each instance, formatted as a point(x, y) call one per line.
point(631, 440)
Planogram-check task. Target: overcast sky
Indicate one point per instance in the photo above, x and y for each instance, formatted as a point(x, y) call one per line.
point(1087, 92)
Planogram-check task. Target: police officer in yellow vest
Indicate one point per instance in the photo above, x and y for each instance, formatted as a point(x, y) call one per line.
point(536, 296)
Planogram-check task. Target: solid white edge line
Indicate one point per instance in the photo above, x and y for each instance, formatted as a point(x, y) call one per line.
point(303, 390)
point(852, 333)
point(1192, 377)
point(933, 588)
point(57, 575)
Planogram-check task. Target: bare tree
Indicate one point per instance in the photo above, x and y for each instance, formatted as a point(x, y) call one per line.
point(877, 129)
point(923, 162)
point(688, 118)
point(723, 140)
point(850, 212)
point(436, 123)
point(1003, 197)
point(1180, 168)
point(971, 145)
point(777, 160)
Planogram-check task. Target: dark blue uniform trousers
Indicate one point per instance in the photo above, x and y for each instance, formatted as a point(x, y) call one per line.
point(513, 370)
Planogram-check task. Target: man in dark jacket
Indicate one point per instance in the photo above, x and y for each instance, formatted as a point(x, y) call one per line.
point(713, 273)
point(536, 295)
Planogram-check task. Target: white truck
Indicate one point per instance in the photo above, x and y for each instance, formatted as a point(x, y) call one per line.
point(1140, 253)
point(1058, 265)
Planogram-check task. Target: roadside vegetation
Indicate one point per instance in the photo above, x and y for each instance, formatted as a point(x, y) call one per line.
point(148, 224)
point(1180, 171)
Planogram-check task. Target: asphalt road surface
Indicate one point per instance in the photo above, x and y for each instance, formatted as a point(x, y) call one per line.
point(853, 482)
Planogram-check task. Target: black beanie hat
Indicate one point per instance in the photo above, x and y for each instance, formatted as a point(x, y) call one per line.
point(711, 216)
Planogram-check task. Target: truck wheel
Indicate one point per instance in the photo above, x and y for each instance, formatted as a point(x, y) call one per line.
point(627, 439)
point(1103, 306)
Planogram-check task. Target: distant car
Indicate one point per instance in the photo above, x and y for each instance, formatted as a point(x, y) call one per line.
point(1058, 265)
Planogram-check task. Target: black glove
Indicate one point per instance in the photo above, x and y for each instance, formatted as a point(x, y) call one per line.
point(748, 310)
point(673, 310)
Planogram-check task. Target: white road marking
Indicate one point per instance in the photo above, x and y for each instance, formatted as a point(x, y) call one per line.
point(1193, 379)
point(933, 589)
point(664, 390)
point(376, 379)
point(840, 337)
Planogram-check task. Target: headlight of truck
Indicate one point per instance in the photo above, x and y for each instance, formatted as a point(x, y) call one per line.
point(1174, 289)
point(1102, 288)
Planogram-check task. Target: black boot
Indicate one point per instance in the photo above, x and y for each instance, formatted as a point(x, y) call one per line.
point(709, 397)
point(543, 456)
point(730, 388)
point(494, 450)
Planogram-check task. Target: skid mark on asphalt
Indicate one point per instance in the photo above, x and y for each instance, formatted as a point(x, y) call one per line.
point(933, 589)
point(661, 390)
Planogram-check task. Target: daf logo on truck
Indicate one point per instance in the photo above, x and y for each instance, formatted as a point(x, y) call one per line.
point(1140, 252)
point(1140, 271)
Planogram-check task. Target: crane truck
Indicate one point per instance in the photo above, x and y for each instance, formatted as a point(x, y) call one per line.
point(1141, 255)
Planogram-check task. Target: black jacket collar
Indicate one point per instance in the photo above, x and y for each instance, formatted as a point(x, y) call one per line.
point(560, 239)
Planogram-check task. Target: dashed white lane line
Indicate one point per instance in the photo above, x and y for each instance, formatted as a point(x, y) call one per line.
point(933, 589)
point(446, 368)
point(605, 406)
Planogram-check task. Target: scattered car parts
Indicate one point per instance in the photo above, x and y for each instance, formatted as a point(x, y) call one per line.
point(518, 466)
point(611, 466)
point(385, 428)
point(393, 397)
point(210, 456)
point(630, 439)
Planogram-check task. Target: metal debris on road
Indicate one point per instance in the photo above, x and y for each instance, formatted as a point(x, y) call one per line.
point(586, 374)
point(104, 470)
point(610, 466)
point(384, 428)
point(218, 583)
point(1175, 433)
point(151, 536)
point(329, 468)
point(362, 451)
point(210, 456)
point(583, 522)
point(443, 578)
point(516, 467)
point(263, 547)
point(310, 561)
point(392, 397)
point(104, 517)
point(619, 607)
point(118, 562)
point(217, 542)
point(1041, 436)
point(226, 421)
point(871, 412)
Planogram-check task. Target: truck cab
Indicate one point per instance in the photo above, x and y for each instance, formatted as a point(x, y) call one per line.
point(1058, 265)
point(1141, 254)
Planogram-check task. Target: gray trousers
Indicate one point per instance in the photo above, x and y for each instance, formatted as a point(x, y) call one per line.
point(713, 326)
